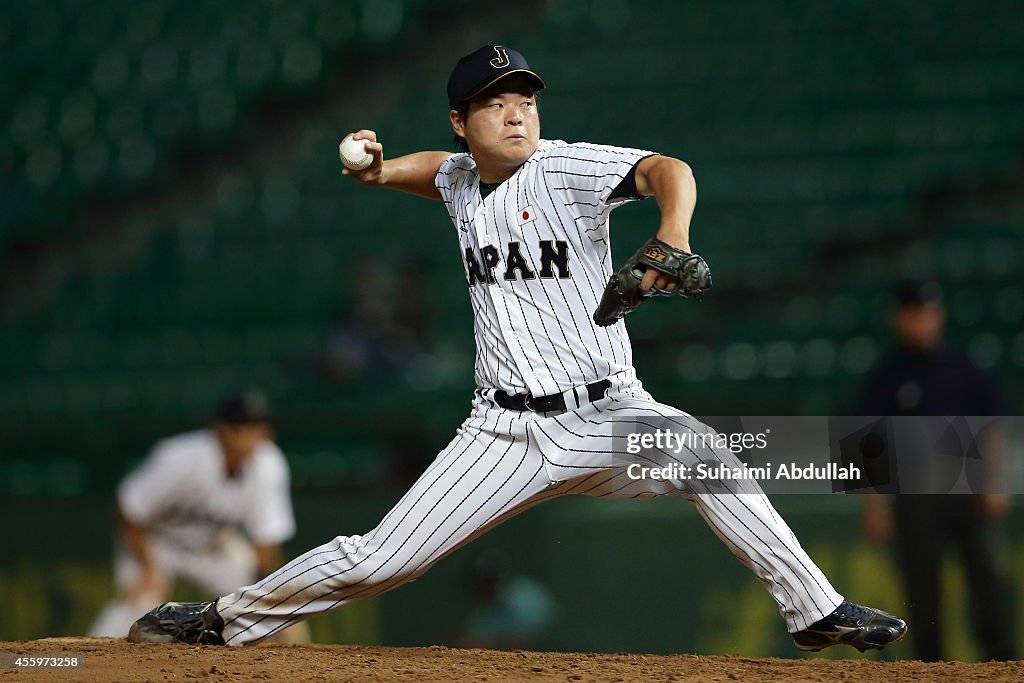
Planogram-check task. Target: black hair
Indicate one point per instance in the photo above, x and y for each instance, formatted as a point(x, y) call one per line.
point(463, 112)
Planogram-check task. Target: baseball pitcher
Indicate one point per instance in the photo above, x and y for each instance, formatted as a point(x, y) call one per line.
point(554, 373)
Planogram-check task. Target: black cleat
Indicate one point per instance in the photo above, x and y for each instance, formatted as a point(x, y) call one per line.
point(862, 627)
point(196, 623)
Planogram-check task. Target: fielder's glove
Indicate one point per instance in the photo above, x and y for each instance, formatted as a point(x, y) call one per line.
point(623, 293)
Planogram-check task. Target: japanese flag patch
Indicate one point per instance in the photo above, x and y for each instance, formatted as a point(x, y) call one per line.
point(526, 215)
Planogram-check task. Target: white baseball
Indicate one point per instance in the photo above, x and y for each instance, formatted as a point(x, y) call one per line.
point(353, 153)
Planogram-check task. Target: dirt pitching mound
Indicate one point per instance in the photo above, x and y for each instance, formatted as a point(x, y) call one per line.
point(117, 660)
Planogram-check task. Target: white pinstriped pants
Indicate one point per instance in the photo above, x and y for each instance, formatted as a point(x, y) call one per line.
point(500, 463)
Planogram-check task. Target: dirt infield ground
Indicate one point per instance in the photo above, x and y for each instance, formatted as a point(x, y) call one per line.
point(117, 660)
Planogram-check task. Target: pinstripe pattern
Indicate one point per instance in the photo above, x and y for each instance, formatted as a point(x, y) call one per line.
point(534, 333)
point(578, 442)
point(499, 464)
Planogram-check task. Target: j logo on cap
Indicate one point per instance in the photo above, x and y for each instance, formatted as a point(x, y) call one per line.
point(501, 61)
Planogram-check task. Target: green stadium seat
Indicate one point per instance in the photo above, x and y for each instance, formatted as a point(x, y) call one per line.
point(808, 136)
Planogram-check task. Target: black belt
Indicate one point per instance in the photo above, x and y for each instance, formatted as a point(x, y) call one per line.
point(547, 404)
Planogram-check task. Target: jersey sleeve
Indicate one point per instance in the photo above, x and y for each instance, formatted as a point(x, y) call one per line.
point(150, 489)
point(450, 179)
point(589, 174)
point(270, 519)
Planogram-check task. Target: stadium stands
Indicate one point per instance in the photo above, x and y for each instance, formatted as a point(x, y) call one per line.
point(818, 139)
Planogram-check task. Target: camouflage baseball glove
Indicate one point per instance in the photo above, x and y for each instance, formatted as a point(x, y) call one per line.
point(623, 294)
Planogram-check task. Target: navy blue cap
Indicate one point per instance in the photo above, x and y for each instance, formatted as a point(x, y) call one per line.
point(245, 407)
point(918, 293)
point(477, 70)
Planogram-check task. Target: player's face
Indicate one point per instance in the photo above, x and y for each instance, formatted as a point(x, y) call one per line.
point(502, 127)
point(920, 327)
point(240, 441)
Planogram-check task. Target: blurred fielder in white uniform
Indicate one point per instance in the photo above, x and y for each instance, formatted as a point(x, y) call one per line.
point(210, 506)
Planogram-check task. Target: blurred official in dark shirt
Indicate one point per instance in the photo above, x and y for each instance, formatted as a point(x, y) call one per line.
point(923, 376)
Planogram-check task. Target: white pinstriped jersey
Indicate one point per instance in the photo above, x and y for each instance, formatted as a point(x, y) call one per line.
point(537, 258)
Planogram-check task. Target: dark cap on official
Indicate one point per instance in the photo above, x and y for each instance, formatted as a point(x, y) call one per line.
point(477, 70)
point(244, 407)
point(918, 293)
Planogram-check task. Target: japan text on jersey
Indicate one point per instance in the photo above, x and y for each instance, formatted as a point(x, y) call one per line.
point(537, 257)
